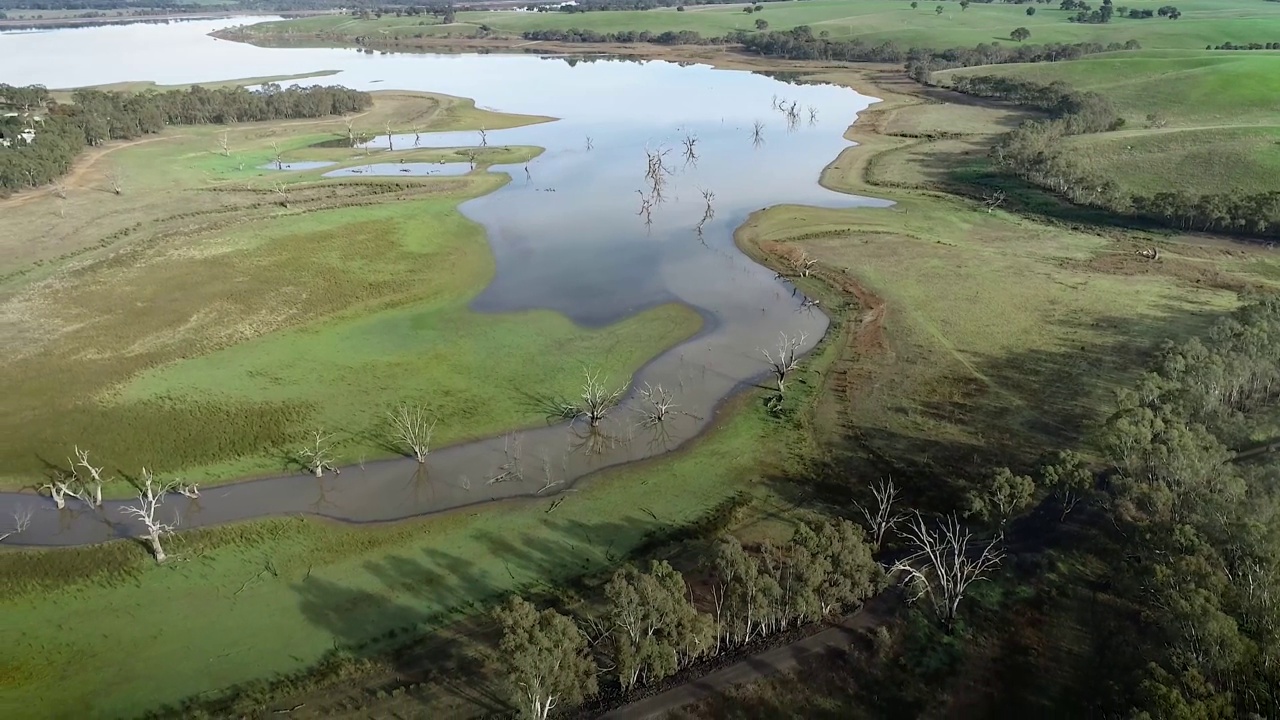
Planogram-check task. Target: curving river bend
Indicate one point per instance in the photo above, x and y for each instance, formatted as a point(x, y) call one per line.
point(566, 234)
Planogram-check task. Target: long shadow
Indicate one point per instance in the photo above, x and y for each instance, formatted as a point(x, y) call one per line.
point(426, 622)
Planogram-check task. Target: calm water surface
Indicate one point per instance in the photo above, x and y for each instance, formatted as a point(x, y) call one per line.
point(569, 233)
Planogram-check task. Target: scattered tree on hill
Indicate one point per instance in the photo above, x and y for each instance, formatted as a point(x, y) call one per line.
point(545, 657)
point(938, 10)
point(149, 500)
point(964, 5)
point(1020, 34)
point(1031, 11)
point(1169, 11)
point(914, 4)
point(1000, 496)
point(785, 358)
point(412, 429)
point(944, 563)
point(1070, 480)
point(762, 25)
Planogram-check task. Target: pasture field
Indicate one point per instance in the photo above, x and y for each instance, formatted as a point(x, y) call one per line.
point(1203, 22)
point(1196, 121)
point(213, 312)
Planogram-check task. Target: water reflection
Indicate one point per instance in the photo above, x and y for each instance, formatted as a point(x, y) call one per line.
point(565, 233)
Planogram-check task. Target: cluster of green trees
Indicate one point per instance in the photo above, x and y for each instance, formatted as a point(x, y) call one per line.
point(1201, 558)
point(95, 117)
point(1244, 46)
point(604, 5)
point(801, 43)
point(652, 624)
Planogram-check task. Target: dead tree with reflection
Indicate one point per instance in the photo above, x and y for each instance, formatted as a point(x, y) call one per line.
point(813, 115)
point(275, 151)
point(21, 521)
point(411, 429)
point(709, 212)
point(149, 500)
point(690, 143)
point(657, 172)
point(417, 136)
point(484, 137)
point(596, 401)
point(317, 455)
point(351, 133)
point(88, 477)
point(785, 359)
point(61, 486)
point(390, 146)
point(590, 143)
point(757, 134)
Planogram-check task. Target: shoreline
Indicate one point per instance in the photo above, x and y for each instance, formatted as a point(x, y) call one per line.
point(731, 399)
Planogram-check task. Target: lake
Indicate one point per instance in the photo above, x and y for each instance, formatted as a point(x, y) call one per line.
point(578, 230)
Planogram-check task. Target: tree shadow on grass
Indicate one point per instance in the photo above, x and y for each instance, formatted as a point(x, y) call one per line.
point(426, 625)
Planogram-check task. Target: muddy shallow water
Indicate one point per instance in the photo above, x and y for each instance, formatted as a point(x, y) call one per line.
point(578, 230)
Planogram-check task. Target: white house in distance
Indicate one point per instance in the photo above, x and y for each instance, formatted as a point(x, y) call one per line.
point(27, 134)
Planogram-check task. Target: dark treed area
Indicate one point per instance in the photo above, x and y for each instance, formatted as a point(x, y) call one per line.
point(41, 138)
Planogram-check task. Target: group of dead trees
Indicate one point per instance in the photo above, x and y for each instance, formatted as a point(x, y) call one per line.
point(652, 623)
point(83, 480)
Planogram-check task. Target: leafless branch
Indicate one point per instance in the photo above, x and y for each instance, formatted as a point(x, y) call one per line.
point(785, 358)
point(317, 455)
point(993, 199)
point(757, 134)
point(484, 137)
point(512, 468)
point(21, 521)
point(279, 159)
point(91, 480)
point(224, 142)
point(881, 517)
point(412, 429)
point(596, 400)
point(944, 563)
point(115, 179)
point(149, 500)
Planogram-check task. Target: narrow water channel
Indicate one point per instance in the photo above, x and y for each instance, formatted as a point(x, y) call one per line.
point(577, 230)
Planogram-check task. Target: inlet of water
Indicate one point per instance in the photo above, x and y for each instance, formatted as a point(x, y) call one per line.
point(578, 230)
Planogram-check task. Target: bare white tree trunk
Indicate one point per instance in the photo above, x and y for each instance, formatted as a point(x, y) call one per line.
point(317, 454)
point(91, 483)
point(484, 137)
point(596, 401)
point(880, 517)
point(224, 142)
point(412, 430)
point(786, 358)
point(945, 563)
point(279, 160)
point(149, 500)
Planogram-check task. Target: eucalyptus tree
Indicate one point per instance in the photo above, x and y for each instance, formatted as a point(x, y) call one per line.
point(656, 628)
point(545, 657)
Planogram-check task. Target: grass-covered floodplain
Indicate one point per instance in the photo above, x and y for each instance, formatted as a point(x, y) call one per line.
point(212, 314)
point(242, 603)
point(1203, 22)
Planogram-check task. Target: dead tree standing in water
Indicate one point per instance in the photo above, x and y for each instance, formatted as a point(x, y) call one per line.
point(21, 521)
point(757, 134)
point(596, 402)
point(411, 429)
point(390, 145)
point(149, 500)
point(317, 455)
point(91, 481)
